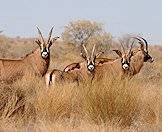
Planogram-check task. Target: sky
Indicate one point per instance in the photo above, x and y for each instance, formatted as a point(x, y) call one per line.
point(144, 17)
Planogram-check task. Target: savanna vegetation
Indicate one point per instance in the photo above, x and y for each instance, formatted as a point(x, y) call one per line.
point(106, 105)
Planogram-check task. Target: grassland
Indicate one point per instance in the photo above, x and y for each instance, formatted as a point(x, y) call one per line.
point(107, 105)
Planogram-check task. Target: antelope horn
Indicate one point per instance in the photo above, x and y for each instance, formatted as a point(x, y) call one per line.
point(131, 48)
point(122, 47)
point(87, 56)
point(50, 34)
point(92, 55)
point(41, 36)
point(145, 43)
point(139, 39)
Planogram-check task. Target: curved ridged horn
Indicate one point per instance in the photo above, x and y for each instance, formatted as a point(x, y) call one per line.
point(131, 48)
point(41, 36)
point(122, 46)
point(87, 56)
point(145, 43)
point(50, 34)
point(92, 54)
point(139, 39)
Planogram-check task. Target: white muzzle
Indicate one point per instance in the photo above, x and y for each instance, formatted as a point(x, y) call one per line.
point(125, 67)
point(44, 54)
point(91, 67)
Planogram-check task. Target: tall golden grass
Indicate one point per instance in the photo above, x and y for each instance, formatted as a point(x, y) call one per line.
point(106, 104)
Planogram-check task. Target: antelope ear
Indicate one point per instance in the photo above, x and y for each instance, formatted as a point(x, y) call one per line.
point(52, 41)
point(55, 38)
point(118, 52)
point(99, 54)
point(38, 42)
point(83, 56)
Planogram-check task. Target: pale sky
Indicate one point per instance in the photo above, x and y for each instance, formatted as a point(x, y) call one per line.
point(19, 17)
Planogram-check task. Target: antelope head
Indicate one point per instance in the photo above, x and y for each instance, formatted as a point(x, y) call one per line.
point(125, 57)
point(45, 45)
point(90, 59)
point(144, 49)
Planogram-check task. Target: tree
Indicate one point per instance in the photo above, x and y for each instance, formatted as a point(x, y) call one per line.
point(78, 32)
point(102, 41)
point(86, 32)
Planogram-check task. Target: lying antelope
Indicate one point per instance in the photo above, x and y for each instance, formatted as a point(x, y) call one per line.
point(128, 65)
point(36, 62)
point(75, 72)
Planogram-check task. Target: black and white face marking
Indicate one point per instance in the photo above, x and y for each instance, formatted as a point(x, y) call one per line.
point(91, 66)
point(125, 64)
point(45, 53)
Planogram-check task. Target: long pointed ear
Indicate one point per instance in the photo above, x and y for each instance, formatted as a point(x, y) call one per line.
point(39, 43)
point(83, 56)
point(52, 41)
point(118, 52)
point(99, 54)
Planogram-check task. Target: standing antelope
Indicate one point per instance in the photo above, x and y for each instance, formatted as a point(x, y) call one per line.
point(75, 72)
point(36, 62)
point(128, 65)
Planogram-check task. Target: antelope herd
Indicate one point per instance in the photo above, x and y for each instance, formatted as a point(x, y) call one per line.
point(92, 68)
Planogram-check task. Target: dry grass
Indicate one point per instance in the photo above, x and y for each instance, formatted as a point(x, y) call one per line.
point(107, 105)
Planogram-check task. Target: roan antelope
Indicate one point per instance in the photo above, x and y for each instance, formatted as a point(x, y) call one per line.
point(36, 62)
point(140, 55)
point(128, 65)
point(75, 72)
point(116, 67)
